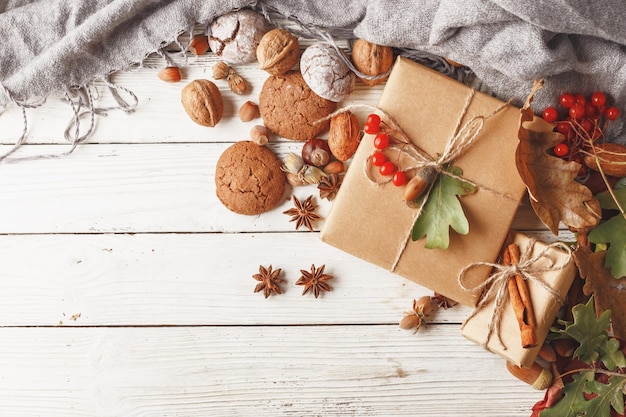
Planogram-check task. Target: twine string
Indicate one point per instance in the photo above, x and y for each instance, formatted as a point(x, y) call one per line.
point(463, 136)
point(23, 106)
point(494, 288)
point(82, 103)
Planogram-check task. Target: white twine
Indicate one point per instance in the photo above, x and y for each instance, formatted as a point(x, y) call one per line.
point(81, 100)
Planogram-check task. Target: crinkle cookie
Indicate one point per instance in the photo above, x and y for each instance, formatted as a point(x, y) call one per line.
point(235, 36)
point(248, 178)
point(289, 107)
point(326, 73)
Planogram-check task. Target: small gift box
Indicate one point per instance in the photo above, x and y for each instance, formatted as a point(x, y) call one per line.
point(548, 271)
point(372, 222)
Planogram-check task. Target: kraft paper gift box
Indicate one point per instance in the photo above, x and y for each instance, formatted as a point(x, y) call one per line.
point(545, 305)
point(372, 221)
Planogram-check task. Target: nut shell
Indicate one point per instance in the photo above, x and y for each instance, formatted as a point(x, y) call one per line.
point(278, 51)
point(199, 45)
point(611, 157)
point(344, 135)
point(371, 59)
point(203, 102)
point(169, 74)
point(325, 73)
point(248, 111)
point(220, 70)
point(237, 83)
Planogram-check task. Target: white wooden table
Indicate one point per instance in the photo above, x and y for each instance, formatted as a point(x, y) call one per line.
point(126, 287)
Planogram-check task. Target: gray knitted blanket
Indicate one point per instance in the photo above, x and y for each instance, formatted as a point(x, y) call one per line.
point(52, 46)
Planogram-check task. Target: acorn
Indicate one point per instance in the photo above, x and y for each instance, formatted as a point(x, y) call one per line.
point(536, 376)
point(419, 183)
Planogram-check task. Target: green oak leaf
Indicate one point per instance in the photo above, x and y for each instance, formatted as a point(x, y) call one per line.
point(590, 332)
point(443, 210)
point(613, 233)
point(609, 395)
point(573, 402)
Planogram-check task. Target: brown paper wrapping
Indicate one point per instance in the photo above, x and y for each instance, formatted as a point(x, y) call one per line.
point(372, 222)
point(545, 308)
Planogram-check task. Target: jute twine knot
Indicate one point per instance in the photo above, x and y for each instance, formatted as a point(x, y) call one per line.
point(495, 287)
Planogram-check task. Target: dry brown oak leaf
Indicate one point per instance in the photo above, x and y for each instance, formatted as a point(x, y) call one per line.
point(609, 293)
point(554, 194)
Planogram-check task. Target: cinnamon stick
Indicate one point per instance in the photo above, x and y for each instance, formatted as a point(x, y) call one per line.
point(520, 300)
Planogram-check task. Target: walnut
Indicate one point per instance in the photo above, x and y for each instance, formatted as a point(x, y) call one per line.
point(278, 51)
point(325, 73)
point(235, 36)
point(344, 135)
point(203, 102)
point(371, 59)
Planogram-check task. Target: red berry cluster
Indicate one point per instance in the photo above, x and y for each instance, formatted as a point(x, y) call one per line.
point(378, 158)
point(581, 120)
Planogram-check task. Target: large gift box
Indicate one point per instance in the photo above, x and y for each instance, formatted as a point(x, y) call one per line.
point(553, 268)
point(373, 222)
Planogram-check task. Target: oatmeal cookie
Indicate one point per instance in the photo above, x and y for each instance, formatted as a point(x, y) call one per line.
point(248, 178)
point(289, 107)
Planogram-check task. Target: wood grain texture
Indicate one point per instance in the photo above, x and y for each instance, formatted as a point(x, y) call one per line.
point(245, 371)
point(126, 288)
point(138, 188)
point(189, 279)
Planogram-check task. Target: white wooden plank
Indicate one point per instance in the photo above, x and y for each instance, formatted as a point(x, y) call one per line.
point(190, 279)
point(244, 371)
point(159, 116)
point(134, 188)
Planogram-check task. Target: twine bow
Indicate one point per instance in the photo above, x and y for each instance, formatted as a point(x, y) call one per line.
point(495, 287)
point(462, 138)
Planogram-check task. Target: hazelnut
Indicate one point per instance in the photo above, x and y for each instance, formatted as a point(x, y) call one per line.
point(294, 179)
point(169, 74)
point(334, 167)
point(325, 72)
point(344, 135)
point(235, 36)
point(220, 70)
point(260, 135)
point(199, 45)
point(278, 51)
point(316, 152)
point(203, 102)
point(237, 83)
point(248, 111)
point(371, 59)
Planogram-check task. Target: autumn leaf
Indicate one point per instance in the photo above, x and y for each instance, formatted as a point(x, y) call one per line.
point(609, 293)
point(583, 395)
point(554, 194)
point(573, 402)
point(613, 233)
point(594, 341)
point(609, 395)
point(443, 210)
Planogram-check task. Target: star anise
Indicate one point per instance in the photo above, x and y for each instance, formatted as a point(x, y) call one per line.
point(268, 281)
point(329, 186)
point(314, 281)
point(442, 301)
point(303, 213)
